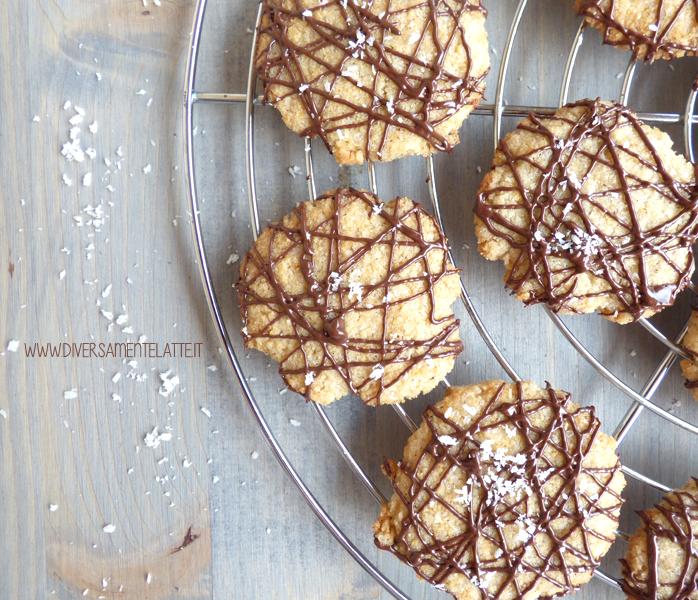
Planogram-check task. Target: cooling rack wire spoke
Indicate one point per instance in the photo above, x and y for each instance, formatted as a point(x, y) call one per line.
point(497, 110)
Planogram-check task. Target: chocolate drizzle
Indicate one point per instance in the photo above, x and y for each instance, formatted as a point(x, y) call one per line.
point(314, 315)
point(411, 92)
point(567, 219)
point(512, 533)
point(676, 532)
point(648, 45)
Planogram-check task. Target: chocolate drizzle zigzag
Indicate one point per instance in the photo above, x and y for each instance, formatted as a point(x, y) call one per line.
point(567, 219)
point(677, 533)
point(314, 314)
point(504, 491)
point(650, 44)
point(407, 92)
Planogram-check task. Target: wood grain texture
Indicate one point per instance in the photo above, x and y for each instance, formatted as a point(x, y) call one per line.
point(251, 534)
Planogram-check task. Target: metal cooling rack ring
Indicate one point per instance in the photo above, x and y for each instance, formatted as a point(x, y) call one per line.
point(641, 399)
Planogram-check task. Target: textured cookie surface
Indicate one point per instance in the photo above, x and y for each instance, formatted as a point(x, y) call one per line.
point(350, 294)
point(689, 368)
point(505, 491)
point(649, 28)
point(377, 80)
point(590, 210)
point(662, 558)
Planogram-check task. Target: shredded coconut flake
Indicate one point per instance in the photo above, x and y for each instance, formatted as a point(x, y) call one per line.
point(168, 383)
point(377, 372)
point(153, 439)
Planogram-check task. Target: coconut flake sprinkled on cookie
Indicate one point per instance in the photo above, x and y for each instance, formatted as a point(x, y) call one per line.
point(590, 210)
point(350, 299)
point(480, 514)
point(649, 28)
point(374, 80)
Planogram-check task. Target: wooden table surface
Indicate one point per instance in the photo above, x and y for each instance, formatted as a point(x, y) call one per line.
point(94, 502)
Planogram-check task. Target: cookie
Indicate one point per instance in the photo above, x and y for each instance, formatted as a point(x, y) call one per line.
point(590, 210)
point(506, 491)
point(662, 558)
point(649, 28)
point(689, 368)
point(350, 294)
point(375, 80)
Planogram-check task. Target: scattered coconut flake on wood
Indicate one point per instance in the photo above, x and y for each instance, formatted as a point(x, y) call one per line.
point(206, 411)
point(168, 384)
point(70, 394)
point(109, 528)
point(153, 439)
point(13, 345)
point(72, 151)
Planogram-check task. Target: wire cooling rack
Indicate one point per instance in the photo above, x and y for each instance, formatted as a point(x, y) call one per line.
point(642, 399)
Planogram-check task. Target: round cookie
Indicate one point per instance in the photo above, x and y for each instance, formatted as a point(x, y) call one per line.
point(350, 294)
point(662, 558)
point(590, 210)
point(649, 28)
point(689, 368)
point(372, 79)
point(506, 491)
